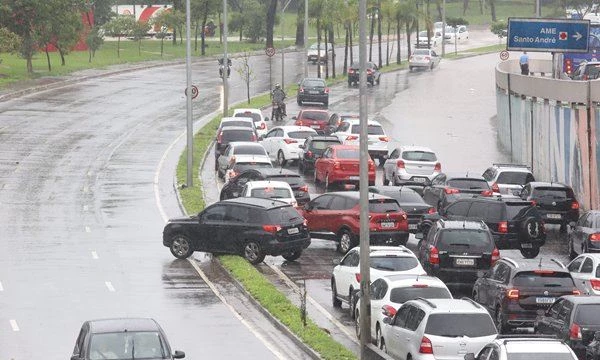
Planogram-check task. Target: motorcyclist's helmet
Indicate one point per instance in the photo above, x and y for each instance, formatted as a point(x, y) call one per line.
point(277, 86)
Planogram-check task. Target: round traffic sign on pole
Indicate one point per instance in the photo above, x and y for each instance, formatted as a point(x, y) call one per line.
point(270, 51)
point(504, 55)
point(194, 91)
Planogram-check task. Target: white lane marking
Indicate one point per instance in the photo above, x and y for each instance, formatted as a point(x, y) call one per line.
point(163, 214)
point(14, 325)
point(110, 286)
point(86, 189)
point(87, 229)
point(85, 208)
point(237, 315)
point(94, 255)
point(1, 288)
point(321, 309)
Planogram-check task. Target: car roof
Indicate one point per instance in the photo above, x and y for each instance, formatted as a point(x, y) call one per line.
point(498, 199)
point(415, 148)
point(535, 184)
point(313, 78)
point(356, 195)
point(379, 250)
point(582, 299)
point(254, 111)
point(528, 345)
point(245, 143)
point(463, 224)
point(595, 256)
point(252, 157)
point(391, 189)
point(343, 147)
point(122, 325)
point(411, 279)
point(463, 175)
point(464, 305)
point(267, 183)
point(234, 128)
point(354, 121)
point(239, 118)
point(512, 167)
point(536, 264)
point(315, 110)
point(257, 202)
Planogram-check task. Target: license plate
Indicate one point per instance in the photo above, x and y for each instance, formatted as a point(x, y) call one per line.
point(419, 180)
point(388, 224)
point(354, 177)
point(464, 262)
point(412, 226)
point(526, 246)
point(544, 300)
point(554, 216)
point(315, 126)
point(293, 231)
point(313, 92)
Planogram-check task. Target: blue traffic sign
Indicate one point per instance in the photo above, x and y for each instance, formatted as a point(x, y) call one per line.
point(548, 35)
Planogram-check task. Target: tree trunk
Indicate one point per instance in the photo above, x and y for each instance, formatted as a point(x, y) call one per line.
point(203, 34)
point(371, 36)
point(332, 39)
point(119, 46)
point(379, 33)
point(351, 33)
point(387, 47)
point(345, 70)
point(196, 36)
point(408, 34)
point(272, 9)
point(326, 52)
point(493, 10)
point(140, 47)
point(62, 56)
point(465, 6)
point(398, 27)
point(300, 25)
point(162, 42)
point(174, 35)
point(90, 55)
point(48, 59)
point(439, 9)
point(481, 7)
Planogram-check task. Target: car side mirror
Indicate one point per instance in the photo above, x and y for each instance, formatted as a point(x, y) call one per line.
point(470, 356)
point(597, 336)
point(267, 118)
point(294, 117)
point(178, 354)
point(301, 146)
point(573, 224)
point(419, 236)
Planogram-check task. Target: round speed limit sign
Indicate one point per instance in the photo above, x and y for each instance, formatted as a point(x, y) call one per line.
point(270, 51)
point(194, 91)
point(504, 55)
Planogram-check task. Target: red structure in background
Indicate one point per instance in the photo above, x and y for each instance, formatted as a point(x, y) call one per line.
point(87, 19)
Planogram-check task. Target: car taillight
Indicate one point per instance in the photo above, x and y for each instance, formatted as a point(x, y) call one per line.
point(487, 193)
point(425, 347)
point(383, 138)
point(512, 294)
point(585, 77)
point(371, 166)
point(358, 277)
point(575, 332)
point(305, 222)
point(495, 256)
point(369, 72)
point(309, 154)
point(495, 187)
point(303, 188)
point(272, 228)
point(262, 126)
point(533, 203)
point(411, 58)
point(544, 272)
point(576, 292)
point(451, 191)
point(388, 310)
point(438, 167)
point(595, 237)
point(595, 283)
point(352, 137)
point(326, 90)
point(503, 227)
point(434, 255)
point(431, 210)
point(351, 71)
point(220, 137)
point(290, 141)
point(301, 90)
point(337, 165)
point(400, 164)
point(574, 205)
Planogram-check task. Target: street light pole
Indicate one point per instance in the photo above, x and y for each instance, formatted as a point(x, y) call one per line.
point(188, 97)
point(225, 62)
point(443, 28)
point(282, 53)
point(305, 38)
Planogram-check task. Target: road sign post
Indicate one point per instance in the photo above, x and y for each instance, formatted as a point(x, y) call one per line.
point(548, 35)
point(270, 52)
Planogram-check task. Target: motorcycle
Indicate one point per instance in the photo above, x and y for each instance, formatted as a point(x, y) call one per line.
point(222, 68)
point(277, 112)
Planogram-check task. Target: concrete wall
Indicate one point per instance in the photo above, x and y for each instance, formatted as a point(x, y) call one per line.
point(551, 125)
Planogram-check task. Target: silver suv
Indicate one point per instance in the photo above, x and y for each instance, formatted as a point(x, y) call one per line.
point(526, 347)
point(411, 165)
point(506, 178)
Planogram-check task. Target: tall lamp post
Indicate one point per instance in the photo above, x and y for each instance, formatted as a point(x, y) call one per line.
point(443, 28)
point(225, 62)
point(188, 98)
point(305, 38)
point(282, 38)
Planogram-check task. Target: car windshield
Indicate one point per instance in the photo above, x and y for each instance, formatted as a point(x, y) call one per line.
point(469, 184)
point(465, 239)
point(313, 83)
point(237, 135)
point(126, 346)
point(403, 294)
point(383, 206)
point(271, 193)
point(322, 145)
point(249, 150)
point(419, 156)
point(543, 278)
point(394, 263)
point(588, 314)
point(550, 193)
point(457, 325)
point(421, 52)
point(371, 130)
point(284, 215)
point(513, 178)
point(256, 117)
point(315, 115)
point(300, 134)
point(347, 154)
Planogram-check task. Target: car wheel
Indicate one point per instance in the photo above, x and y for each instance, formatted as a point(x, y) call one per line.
point(500, 324)
point(280, 158)
point(378, 338)
point(532, 228)
point(382, 346)
point(315, 179)
point(181, 247)
point(386, 182)
point(253, 253)
point(530, 253)
point(292, 255)
point(301, 167)
point(349, 83)
point(327, 184)
point(346, 241)
point(337, 303)
point(357, 325)
point(410, 68)
point(572, 253)
point(352, 302)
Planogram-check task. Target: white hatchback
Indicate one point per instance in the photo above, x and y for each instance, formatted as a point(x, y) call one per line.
point(349, 134)
point(278, 190)
point(416, 165)
point(283, 142)
point(246, 151)
point(260, 121)
point(585, 271)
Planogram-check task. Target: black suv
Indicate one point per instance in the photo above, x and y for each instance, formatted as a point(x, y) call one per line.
point(573, 319)
point(556, 202)
point(514, 292)
point(456, 251)
point(514, 223)
point(229, 134)
point(233, 188)
point(313, 149)
point(446, 189)
point(373, 74)
point(250, 227)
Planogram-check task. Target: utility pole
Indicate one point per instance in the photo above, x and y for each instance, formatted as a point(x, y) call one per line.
point(305, 38)
point(225, 62)
point(443, 28)
point(189, 119)
point(282, 52)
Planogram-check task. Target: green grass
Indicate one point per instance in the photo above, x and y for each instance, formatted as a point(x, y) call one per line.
point(283, 309)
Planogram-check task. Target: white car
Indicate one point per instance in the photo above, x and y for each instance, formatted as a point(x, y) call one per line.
point(244, 150)
point(260, 121)
point(505, 348)
point(585, 271)
point(428, 329)
point(241, 163)
point(349, 134)
point(457, 33)
point(283, 142)
point(278, 190)
point(388, 293)
point(384, 260)
point(507, 178)
point(411, 165)
point(423, 58)
point(317, 54)
point(434, 40)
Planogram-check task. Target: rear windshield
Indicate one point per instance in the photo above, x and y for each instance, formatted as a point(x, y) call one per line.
point(518, 210)
point(371, 130)
point(402, 295)
point(421, 52)
point(237, 135)
point(241, 166)
point(468, 184)
point(549, 279)
point(394, 263)
point(383, 206)
point(256, 117)
point(290, 179)
point(551, 193)
point(465, 239)
point(592, 71)
point(588, 314)
point(514, 178)
point(242, 123)
point(300, 134)
point(404, 196)
point(347, 153)
point(284, 215)
point(271, 193)
point(315, 115)
point(457, 325)
point(249, 150)
point(419, 156)
point(314, 83)
point(322, 144)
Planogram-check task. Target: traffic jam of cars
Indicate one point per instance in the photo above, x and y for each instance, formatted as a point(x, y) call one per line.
point(516, 307)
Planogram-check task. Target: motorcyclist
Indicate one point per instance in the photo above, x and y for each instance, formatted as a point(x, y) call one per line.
point(222, 67)
point(278, 96)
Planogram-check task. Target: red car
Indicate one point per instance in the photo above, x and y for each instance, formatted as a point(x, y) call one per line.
point(335, 216)
point(313, 118)
point(339, 164)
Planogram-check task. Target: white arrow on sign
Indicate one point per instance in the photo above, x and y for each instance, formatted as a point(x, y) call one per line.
point(577, 36)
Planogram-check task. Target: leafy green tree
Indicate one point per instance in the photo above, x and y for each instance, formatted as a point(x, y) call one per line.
point(499, 28)
point(139, 30)
point(174, 19)
point(102, 10)
point(246, 73)
point(9, 41)
point(119, 26)
point(94, 40)
point(64, 26)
